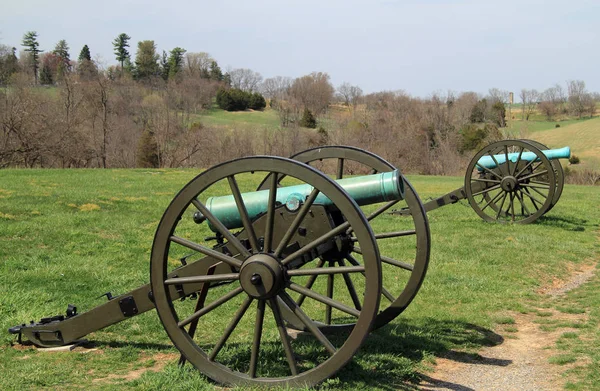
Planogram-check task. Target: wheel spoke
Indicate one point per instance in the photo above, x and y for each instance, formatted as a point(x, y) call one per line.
point(532, 197)
point(533, 201)
point(210, 307)
point(318, 241)
point(310, 282)
point(523, 206)
point(328, 301)
point(488, 170)
point(512, 205)
point(340, 169)
point(546, 187)
point(271, 213)
point(506, 161)
point(296, 223)
point(517, 162)
point(330, 281)
point(485, 180)
point(534, 175)
point(525, 168)
point(239, 202)
point(258, 326)
point(207, 251)
point(327, 270)
point(376, 213)
point(486, 190)
point(389, 260)
point(310, 325)
point(501, 205)
point(202, 279)
point(396, 234)
point(232, 325)
point(496, 162)
point(492, 200)
point(221, 228)
point(384, 291)
point(350, 286)
point(285, 340)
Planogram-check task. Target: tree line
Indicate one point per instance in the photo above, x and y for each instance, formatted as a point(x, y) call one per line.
point(145, 111)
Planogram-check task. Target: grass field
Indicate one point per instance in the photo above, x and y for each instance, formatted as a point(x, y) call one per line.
point(68, 236)
point(583, 138)
point(218, 117)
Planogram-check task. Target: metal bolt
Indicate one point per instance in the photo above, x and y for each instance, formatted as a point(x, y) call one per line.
point(255, 279)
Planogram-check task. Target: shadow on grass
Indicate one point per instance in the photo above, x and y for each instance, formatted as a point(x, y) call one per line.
point(392, 358)
point(567, 223)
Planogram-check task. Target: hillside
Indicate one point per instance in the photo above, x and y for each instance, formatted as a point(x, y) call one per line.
point(583, 138)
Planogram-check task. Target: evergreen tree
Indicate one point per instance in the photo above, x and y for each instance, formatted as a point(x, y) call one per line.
point(146, 60)
point(215, 71)
point(121, 43)
point(9, 63)
point(86, 67)
point(33, 47)
point(46, 74)
point(61, 50)
point(308, 119)
point(176, 61)
point(85, 54)
point(165, 66)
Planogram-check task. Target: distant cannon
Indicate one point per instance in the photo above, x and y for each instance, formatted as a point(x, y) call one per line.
point(514, 181)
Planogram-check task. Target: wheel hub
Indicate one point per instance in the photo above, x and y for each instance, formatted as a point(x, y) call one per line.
point(509, 183)
point(261, 276)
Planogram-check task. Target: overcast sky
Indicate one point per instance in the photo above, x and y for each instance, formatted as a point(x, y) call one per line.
point(420, 46)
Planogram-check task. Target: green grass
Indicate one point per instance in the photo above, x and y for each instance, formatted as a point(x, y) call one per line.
point(67, 236)
point(217, 117)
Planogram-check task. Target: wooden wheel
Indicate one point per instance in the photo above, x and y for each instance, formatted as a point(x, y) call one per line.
point(510, 181)
point(236, 333)
point(402, 277)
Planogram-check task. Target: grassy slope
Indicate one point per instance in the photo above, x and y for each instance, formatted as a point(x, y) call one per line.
point(583, 138)
point(69, 236)
point(218, 117)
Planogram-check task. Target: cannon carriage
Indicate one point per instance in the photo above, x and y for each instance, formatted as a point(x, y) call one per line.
point(292, 268)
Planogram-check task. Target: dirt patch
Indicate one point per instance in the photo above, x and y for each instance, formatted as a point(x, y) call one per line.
point(578, 276)
point(155, 363)
point(520, 362)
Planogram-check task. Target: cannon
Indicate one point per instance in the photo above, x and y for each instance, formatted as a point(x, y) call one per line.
point(515, 181)
point(264, 271)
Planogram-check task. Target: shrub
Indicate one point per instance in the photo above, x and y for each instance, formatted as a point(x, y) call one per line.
point(237, 100)
point(147, 156)
point(257, 101)
point(308, 119)
point(557, 126)
point(574, 159)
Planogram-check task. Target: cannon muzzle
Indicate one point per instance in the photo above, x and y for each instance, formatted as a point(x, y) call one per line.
point(488, 161)
point(365, 190)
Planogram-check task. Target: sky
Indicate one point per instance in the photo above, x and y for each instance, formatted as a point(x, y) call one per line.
point(419, 46)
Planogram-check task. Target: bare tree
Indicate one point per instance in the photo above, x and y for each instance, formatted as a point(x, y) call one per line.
point(350, 94)
point(276, 87)
point(529, 100)
point(197, 64)
point(498, 95)
point(245, 79)
point(577, 92)
point(313, 91)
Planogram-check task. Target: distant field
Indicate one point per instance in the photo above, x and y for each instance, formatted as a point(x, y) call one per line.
point(218, 117)
point(582, 136)
point(525, 128)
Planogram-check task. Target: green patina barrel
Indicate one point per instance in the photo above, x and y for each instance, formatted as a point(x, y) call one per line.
point(488, 162)
point(365, 190)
